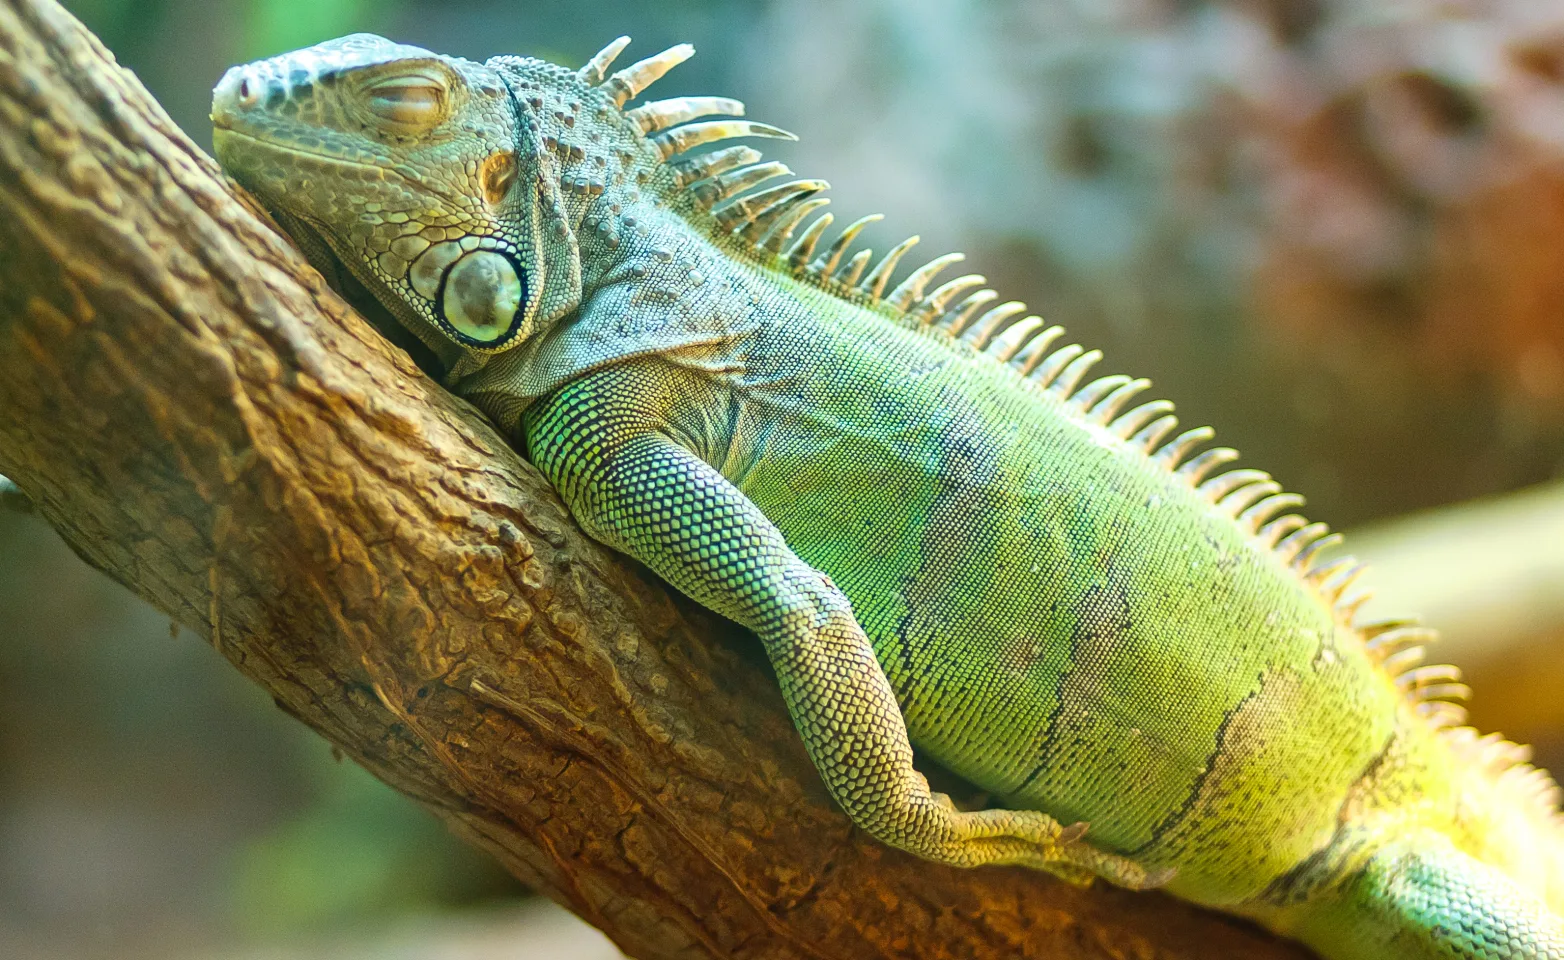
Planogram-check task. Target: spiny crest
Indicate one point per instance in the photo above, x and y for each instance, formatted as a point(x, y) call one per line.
point(727, 183)
point(1508, 766)
point(733, 186)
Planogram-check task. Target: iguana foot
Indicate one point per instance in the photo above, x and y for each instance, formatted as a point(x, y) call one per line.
point(1025, 838)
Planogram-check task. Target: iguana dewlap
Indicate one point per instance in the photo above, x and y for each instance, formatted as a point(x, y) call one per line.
point(942, 529)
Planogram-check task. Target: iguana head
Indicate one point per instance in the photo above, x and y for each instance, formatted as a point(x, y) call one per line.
point(476, 201)
point(419, 171)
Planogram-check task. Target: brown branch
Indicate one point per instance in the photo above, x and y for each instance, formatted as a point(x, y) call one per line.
point(199, 416)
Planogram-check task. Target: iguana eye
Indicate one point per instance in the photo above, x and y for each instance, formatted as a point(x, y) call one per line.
point(410, 101)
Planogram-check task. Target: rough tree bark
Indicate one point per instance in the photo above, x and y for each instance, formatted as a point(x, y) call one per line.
point(199, 416)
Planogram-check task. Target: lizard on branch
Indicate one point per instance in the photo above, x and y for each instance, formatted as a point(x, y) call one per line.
point(944, 532)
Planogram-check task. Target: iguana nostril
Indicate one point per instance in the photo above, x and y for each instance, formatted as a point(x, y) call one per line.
point(246, 96)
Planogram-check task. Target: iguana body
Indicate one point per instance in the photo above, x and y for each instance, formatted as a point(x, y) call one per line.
point(937, 525)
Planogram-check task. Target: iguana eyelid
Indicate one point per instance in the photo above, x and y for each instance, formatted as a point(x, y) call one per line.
point(407, 82)
point(409, 99)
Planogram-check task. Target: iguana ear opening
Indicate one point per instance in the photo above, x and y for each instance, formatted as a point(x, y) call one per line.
point(497, 176)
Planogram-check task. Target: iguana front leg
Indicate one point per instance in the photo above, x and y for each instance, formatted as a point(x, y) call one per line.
point(634, 488)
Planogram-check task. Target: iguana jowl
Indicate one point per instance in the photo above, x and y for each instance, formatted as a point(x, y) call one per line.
point(942, 531)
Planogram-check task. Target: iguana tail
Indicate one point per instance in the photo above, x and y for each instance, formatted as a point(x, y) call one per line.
point(1423, 899)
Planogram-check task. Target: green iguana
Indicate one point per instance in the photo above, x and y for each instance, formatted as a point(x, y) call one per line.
point(943, 532)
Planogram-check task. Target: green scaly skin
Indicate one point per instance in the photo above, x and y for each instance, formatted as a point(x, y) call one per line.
point(941, 531)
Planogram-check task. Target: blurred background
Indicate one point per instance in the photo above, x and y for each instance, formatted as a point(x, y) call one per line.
point(1333, 228)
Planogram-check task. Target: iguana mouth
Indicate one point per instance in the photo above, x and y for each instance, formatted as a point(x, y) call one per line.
point(316, 156)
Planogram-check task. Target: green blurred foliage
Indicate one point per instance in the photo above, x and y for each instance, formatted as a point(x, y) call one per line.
point(275, 26)
point(359, 853)
point(120, 23)
point(269, 26)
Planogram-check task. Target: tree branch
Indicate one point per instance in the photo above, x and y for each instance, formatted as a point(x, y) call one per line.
point(199, 416)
